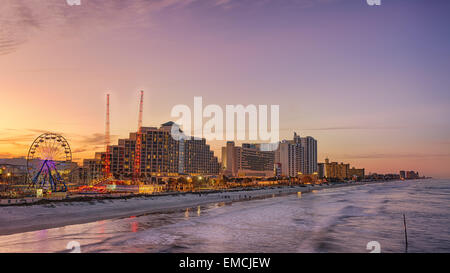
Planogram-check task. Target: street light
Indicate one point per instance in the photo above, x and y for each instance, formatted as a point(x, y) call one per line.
point(8, 177)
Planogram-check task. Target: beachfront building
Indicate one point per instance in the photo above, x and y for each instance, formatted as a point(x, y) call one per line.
point(408, 175)
point(309, 146)
point(412, 175)
point(92, 168)
point(321, 170)
point(356, 174)
point(339, 171)
point(160, 155)
point(249, 160)
point(336, 170)
point(289, 157)
point(13, 170)
point(198, 159)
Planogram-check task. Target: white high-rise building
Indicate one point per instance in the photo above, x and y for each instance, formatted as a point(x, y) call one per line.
point(289, 156)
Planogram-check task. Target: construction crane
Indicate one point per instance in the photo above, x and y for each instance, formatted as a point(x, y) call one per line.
point(137, 152)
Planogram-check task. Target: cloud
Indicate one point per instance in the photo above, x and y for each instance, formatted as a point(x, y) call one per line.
point(79, 150)
point(387, 156)
point(6, 155)
point(18, 19)
point(18, 140)
point(21, 19)
point(8, 44)
point(22, 139)
point(94, 139)
point(335, 128)
point(26, 136)
point(90, 143)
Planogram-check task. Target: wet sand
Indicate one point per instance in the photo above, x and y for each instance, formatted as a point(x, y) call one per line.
point(16, 219)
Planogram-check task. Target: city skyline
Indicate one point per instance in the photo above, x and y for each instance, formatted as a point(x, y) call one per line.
point(219, 155)
point(373, 94)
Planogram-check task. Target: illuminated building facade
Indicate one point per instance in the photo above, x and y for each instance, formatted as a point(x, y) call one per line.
point(336, 170)
point(247, 161)
point(198, 158)
point(309, 146)
point(409, 175)
point(161, 155)
point(355, 173)
point(93, 168)
point(340, 171)
point(289, 156)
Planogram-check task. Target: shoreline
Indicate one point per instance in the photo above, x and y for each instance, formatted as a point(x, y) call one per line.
point(27, 218)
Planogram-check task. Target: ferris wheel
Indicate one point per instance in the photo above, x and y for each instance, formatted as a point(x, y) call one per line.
point(49, 161)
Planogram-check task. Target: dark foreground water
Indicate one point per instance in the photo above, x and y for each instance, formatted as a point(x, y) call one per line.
point(332, 220)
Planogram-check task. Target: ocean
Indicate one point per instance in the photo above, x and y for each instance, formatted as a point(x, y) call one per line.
point(342, 219)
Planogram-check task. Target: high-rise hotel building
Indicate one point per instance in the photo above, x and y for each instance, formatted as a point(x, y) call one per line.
point(247, 161)
point(161, 155)
point(297, 156)
point(289, 156)
point(309, 145)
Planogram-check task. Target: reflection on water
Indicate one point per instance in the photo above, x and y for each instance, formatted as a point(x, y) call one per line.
point(134, 224)
point(332, 220)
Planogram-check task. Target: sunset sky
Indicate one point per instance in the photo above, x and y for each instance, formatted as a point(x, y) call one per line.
point(370, 83)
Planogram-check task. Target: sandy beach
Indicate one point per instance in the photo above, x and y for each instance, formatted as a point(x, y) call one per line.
point(16, 219)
